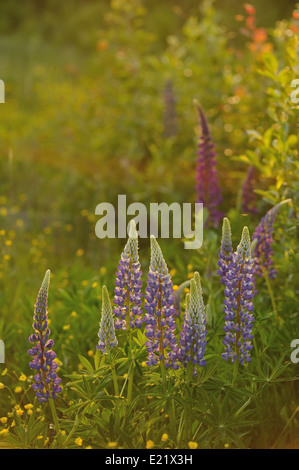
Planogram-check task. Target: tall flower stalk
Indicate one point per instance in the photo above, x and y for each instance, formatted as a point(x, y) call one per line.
point(193, 334)
point(207, 186)
point(160, 323)
point(128, 284)
point(239, 293)
point(47, 383)
point(107, 338)
point(263, 250)
point(226, 251)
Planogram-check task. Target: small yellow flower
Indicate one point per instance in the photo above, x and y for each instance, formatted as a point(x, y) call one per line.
point(39, 437)
point(1, 386)
point(63, 432)
point(46, 440)
point(4, 432)
point(84, 283)
point(13, 424)
point(143, 364)
point(186, 290)
point(3, 420)
point(90, 353)
point(8, 242)
point(111, 445)
point(189, 267)
point(88, 447)
point(190, 275)
point(103, 270)
point(29, 406)
point(20, 412)
point(22, 378)
point(84, 212)
point(4, 372)
point(94, 285)
point(2, 233)
point(164, 437)
point(172, 272)
point(78, 441)
point(9, 415)
point(192, 445)
point(149, 444)
point(175, 287)
point(226, 445)
point(29, 412)
point(6, 257)
point(74, 314)
point(18, 389)
point(66, 327)
point(79, 252)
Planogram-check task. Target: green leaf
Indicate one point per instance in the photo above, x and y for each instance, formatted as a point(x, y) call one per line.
point(86, 363)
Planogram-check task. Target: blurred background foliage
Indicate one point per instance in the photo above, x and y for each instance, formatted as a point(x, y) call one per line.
point(99, 102)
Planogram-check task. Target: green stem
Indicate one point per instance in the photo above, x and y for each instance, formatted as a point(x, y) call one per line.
point(277, 317)
point(114, 376)
point(54, 415)
point(130, 383)
point(187, 424)
point(235, 372)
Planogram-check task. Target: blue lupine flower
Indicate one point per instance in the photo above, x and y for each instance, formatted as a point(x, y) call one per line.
point(239, 293)
point(226, 250)
point(107, 338)
point(46, 380)
point(263, 248)
point(193, 335)
point(128, 284)
point(160, 324)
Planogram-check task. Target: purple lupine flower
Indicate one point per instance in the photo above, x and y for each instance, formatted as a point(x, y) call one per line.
point(226, 250)
point(47, 383)
point(263, 251)
point(239, 293)
point(128, 284)
point(193, 334)
point(170, 126)
point(248, 195)
point(160, 323)
point(207, 187)
point(107, 338)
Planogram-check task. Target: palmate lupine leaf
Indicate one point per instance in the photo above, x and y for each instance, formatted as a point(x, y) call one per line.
point(47, 383)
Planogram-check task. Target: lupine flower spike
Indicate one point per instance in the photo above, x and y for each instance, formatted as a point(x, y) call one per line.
point(226, 250)
point(263, 248)
point(207, 187)
point(107, 338)
point(46, 380)
point(128, 285)
point(239, 293)
point(159, 304)
point(193, 335)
